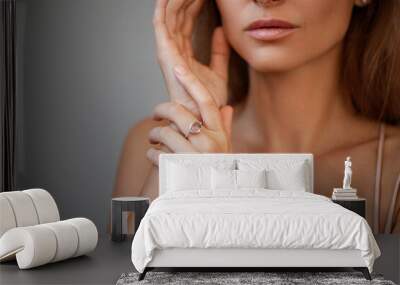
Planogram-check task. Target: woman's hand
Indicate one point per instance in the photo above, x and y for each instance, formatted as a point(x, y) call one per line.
point(173, 23)
point(214, 135)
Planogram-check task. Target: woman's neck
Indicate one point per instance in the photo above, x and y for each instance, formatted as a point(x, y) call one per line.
point(295, 111)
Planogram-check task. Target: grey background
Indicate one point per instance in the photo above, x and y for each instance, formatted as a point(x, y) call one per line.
point(87, 72)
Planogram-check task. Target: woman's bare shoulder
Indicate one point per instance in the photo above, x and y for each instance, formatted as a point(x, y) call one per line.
point(133, 166)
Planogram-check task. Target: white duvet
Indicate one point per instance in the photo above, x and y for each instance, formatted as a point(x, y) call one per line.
point(252, 218)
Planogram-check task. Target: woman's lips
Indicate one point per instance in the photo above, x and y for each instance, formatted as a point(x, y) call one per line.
point(269, 30)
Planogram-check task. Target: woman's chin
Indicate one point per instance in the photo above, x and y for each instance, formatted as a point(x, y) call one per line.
point(271, 60)
point(271, 65)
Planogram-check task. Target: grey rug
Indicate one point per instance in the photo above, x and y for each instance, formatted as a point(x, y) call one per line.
point(225, 278)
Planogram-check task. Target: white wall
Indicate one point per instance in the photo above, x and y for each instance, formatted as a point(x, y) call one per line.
point(87, 73)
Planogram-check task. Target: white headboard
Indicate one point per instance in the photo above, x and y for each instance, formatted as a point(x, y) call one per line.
point(213, 158)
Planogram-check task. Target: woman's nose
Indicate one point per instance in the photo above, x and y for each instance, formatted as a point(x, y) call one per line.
point(268, 3)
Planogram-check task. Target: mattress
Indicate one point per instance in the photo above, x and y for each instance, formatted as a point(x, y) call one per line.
point(251, 219)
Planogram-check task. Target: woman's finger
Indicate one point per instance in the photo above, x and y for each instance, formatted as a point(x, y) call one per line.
point(164, 148)
point(162, 34)
point(180, 19)
point(171, 15)
point(177, 114)
point(227, 116)
point(168, 55)
point(153, 155)
point(207, 106)
point(166, 46)
point(159, 11)
point(191, 14)
point(171, 138)
point(220, 52)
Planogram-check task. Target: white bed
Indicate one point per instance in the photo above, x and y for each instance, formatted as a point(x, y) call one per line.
point(201, 226)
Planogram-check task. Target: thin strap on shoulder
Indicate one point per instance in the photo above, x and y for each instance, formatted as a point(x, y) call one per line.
point(389, 220)
point(377, 194)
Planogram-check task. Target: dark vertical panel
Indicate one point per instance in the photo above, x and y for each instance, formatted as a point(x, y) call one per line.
point(8, 94)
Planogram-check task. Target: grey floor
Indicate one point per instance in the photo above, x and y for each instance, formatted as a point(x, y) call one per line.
point(110, 259)
point(103, 266)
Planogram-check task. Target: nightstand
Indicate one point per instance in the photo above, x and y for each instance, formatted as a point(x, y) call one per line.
point(120, 207)
point(356, 205)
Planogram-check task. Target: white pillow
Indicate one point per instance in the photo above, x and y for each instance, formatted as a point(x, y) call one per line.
point(251, 178)
point(236, 179)
point(223, 179)
point(181, 177)
point(287, 179)
point(282, 174)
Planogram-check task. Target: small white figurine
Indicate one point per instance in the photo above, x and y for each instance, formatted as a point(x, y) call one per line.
point(347, 173)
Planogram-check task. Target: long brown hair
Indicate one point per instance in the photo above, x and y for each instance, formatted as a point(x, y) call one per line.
point(371, 58)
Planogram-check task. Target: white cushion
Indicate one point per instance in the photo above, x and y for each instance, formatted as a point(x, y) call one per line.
point(251, 178)
point(66, 237)
point(229, 161)
point(88, 235)
point(45, 205)
point(223, 179)
point(7, 218)
point(23, 208)
point(28, 208)
point(32, 246)
point(287, 179)
point(180, 173)
point(182, 178)
point(285, 174)
point(228, 179)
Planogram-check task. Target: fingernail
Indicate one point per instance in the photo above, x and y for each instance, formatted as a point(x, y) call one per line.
point(180, 70)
